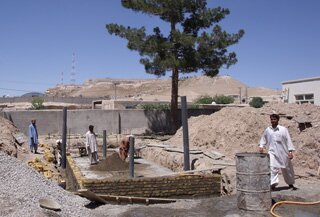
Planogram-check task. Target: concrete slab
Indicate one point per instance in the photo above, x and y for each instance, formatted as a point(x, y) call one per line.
point(142, 168)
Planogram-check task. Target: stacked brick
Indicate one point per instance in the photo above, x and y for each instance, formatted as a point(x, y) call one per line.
point(166, 186)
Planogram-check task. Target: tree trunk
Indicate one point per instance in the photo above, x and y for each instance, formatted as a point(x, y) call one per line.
point(174, 99)
point(174, 85)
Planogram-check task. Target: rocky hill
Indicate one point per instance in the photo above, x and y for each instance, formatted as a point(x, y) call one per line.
point(160, 89)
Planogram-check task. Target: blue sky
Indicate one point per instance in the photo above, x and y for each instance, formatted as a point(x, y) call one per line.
point(38, 39)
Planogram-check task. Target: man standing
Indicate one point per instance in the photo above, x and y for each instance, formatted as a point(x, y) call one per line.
point(33, 137)
point(277, 140)
point(91, 145)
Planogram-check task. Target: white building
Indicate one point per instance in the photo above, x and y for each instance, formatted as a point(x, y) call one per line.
point(302, 91)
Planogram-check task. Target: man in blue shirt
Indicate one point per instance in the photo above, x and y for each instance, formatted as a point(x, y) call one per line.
point(33, 137)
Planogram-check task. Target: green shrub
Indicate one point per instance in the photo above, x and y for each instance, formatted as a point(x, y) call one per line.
point(156, 106)
point(223, 99)
point(37, 103)
point(203, 100)
point(256, 102)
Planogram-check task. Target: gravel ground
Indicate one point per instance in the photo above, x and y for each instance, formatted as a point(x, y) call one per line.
point(21, 188)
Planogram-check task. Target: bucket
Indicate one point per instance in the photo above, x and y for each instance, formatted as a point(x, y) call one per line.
point(253, 181)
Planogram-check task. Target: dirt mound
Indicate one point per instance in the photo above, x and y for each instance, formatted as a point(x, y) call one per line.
point(112, 163)
point(8, 142)
point(233, 130)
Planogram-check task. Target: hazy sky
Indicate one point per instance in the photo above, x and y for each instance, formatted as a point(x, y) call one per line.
point(38, 39)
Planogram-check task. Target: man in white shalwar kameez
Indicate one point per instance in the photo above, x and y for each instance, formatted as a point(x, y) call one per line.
point(277, 140)
point(91, 146)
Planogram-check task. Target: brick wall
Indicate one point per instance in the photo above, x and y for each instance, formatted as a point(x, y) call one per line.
point(166, 186)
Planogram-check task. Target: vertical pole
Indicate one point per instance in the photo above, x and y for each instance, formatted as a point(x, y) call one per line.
point(131, 156)
point(104, 144)
point(119, 124)
point(240, 97)
point(184, 117)
point(64, 139)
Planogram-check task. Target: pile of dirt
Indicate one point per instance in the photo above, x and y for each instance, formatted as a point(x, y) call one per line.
point(112, 163)
point(8, 142)
point(233, 130)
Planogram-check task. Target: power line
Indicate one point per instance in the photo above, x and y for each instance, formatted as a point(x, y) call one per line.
point(17, 90)
point(23, 82)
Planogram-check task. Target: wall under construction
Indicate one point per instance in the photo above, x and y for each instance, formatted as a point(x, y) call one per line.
point(164, 186)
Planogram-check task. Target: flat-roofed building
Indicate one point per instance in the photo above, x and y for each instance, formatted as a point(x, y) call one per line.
point(302, 91)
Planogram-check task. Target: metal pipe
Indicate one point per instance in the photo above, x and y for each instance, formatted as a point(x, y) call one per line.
point(119, 123)
point(104, 145)
point(184, 117)
point(64, 139)
point(131, 156)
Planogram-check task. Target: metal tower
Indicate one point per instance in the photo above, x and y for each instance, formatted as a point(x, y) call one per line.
point(73, 69)
point(61, 78)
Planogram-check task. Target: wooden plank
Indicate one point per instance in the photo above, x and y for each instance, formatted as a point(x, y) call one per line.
point(158, 145)
point(181, 151)
point(131, 200)
point(91, 196)
point(213, 155)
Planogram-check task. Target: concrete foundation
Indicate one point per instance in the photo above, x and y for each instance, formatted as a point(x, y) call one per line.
point(150, 181)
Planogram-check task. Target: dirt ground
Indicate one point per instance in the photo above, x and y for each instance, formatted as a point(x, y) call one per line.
point(234, 130)
point(226, 132)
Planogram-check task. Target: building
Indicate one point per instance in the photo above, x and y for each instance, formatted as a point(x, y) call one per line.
point(302, 91)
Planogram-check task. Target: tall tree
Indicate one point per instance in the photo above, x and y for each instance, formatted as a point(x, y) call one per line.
point(189, 47)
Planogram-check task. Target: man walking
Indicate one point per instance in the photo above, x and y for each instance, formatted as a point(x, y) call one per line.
point(277, 140)
point(33, 137)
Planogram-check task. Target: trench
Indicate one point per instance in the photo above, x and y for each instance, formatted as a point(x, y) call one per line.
point(151, 180)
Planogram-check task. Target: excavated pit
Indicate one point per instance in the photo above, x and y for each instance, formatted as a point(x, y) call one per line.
point(114, 167)
point(111, 177)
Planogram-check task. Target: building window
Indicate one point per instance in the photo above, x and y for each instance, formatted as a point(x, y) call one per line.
point(304, 98)
point(308, 96)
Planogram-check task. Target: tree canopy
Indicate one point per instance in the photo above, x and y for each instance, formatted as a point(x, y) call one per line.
point(191, 46)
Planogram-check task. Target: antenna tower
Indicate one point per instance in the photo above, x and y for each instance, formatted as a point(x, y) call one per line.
point(62, 78)
point(73, 69)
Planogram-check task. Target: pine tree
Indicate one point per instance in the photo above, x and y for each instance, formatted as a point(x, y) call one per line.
point(190, 46)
